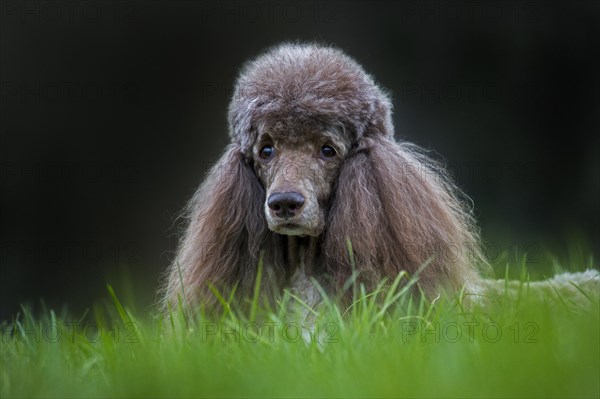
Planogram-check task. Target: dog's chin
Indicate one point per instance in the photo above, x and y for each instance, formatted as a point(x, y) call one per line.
point(292, 229)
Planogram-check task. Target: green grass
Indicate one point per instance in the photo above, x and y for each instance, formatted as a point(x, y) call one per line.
point(388, 344)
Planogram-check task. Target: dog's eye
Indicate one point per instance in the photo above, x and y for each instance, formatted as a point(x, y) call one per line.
point(267, 152)
point(327, 151)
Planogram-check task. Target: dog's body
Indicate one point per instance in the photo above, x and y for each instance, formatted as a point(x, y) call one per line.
point(315, 182)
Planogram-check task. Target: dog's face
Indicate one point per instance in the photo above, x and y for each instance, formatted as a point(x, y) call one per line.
point(298, 172)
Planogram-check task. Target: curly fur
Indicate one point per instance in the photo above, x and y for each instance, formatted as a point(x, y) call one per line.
point(397, 207)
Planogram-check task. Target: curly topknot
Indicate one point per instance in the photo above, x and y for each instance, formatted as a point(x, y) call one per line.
point(303, 84)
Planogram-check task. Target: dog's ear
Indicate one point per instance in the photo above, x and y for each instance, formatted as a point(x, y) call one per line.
point(225, 234)
point(399, 211)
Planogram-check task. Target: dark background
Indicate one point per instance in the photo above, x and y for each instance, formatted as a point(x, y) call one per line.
point(112, 112)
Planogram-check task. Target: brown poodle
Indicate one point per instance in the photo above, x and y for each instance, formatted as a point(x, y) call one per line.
point(315, 182)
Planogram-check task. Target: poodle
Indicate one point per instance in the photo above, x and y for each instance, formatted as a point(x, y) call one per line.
point(314, 189)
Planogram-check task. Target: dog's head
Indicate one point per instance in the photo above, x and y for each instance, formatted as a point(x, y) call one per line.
point(297, 113)
point(313, 153)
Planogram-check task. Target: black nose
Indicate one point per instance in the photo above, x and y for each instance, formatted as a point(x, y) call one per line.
point(285, 204)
